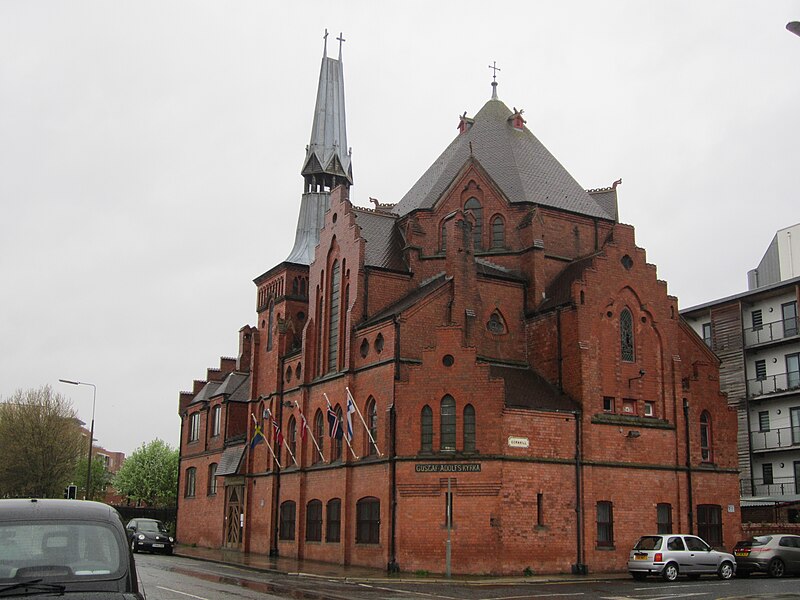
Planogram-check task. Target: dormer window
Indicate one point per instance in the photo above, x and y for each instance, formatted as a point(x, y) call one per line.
point(517, 122)
point(464, 123)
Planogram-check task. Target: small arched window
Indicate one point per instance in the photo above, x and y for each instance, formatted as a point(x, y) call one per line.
point(368, 521)
point(477, 229)
point(469, 428)
point(426, 422)
point(372, 425)
point(212, 479)
point(498, 232)
point(706, 450)
point(447, 426)
point(314, 521)
point(333, 520)
point(626, 335)
point(336, 442)
point(291, 440)
point(191, 482)
point(319, 433)
point(287, 515)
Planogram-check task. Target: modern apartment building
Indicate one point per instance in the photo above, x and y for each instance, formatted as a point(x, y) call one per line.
point(756, 336)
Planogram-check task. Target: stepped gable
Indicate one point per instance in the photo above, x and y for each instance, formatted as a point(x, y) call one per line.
point(518, 163)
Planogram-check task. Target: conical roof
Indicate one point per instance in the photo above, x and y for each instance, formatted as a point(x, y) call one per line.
point(518, 163)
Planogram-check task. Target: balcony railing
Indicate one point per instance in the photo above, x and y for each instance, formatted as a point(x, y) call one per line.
point(773, 384)
point(770, 332)
point(779, 486)
point(775, 439)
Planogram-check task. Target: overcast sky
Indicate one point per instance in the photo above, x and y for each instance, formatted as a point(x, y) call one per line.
point(150, 156)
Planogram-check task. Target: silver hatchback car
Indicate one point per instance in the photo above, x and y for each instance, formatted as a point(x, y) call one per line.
point(673, 554)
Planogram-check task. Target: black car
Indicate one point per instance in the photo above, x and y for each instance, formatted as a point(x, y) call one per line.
point(150, 535)
point(66, 548)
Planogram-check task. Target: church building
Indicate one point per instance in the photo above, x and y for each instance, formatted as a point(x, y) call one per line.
point(485, 376)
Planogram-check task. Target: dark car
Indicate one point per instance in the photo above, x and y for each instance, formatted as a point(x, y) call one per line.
point(66, 548)
point(776, 555)
point(150, 535)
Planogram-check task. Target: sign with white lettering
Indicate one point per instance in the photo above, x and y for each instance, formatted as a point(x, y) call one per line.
point(518, 442)
point(447, 468)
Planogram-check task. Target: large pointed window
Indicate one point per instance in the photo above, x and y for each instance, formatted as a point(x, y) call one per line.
point(426, 429)
point(477, 229)
point(626, 335)
point(372, 423)
point(333, 318)
point(469, 428)
point(498, 232)
point(319, 433)
point(447, 433)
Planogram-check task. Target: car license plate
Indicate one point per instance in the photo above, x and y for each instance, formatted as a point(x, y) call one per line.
point(742, 553)
point(640, 557)
point(158, 545)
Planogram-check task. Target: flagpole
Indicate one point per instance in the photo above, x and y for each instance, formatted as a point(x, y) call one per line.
point(266, 441)
point(263, 437)
point(360, 416)
point(311, 433)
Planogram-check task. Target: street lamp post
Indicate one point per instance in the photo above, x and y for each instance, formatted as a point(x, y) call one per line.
point(91, 434)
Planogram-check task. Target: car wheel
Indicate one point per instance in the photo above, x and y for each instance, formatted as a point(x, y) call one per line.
point(639, 576)
point(776, 568)
point(670, 572)
point(133, 546)
point(725, 570)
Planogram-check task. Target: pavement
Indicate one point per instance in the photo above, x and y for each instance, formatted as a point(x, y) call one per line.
point(311, 568)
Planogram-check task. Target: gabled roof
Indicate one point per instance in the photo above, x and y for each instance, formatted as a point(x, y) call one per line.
point(517, 162)
point(409, 300)
point(384, 242)
point(209, 391)
point(235, 386)
point(525, 388)
point(229, 462)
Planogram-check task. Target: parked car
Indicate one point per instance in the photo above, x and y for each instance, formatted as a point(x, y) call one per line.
point(150, 535)
point(64, 548)
point(670, 555)
point(775, 555)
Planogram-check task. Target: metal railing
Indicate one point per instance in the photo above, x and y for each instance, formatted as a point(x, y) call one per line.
point(775, 439)
point(770, 332)
point(779, 486)
point(773, 384)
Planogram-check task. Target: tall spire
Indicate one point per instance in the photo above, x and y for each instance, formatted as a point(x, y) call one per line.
point(327, 163)
point(494, 68)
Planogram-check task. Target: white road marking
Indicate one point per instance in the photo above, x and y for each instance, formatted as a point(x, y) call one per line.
point(182, 593)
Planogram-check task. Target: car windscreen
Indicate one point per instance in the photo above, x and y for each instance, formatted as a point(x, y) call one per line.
point(152, 526)
point(59, 551)
point(648, 542)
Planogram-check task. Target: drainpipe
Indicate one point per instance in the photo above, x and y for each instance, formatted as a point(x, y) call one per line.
point(279, 419)
point(558, 350)
point(688, 465)
point(393, 567)
point(579, 568)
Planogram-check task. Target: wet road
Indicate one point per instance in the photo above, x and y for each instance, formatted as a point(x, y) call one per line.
point(178, 578)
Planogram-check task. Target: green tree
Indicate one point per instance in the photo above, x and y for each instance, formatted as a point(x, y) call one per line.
point(150, 475)
point(40, 443)
point(101, 478)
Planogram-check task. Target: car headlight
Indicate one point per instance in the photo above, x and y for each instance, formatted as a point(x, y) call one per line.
point(141, 536)
point(171, 541)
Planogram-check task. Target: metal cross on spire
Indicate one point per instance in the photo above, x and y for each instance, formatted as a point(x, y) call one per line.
point(341, 39)
point(325, 37)
point(494, 68)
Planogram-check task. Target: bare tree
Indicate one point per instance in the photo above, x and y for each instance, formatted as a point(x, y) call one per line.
point(40, 443)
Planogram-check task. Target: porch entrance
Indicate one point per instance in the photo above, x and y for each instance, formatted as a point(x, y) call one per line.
point(234, 516)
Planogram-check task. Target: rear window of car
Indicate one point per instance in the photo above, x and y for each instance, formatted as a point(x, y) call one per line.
point(59, 550)
point(648, 542)
point(790, 542)
point(760, 540)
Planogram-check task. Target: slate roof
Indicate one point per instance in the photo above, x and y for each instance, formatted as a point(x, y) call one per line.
point(235, 386)
point(524, 388)
point(409, 300)
point(229, 462)
point(209, 391)
point(384, 242)
point(559, 291)
point(515, 159)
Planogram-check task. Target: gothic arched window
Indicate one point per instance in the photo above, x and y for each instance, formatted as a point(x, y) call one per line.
point(333, 318)
point(291, 440)
point(372, 424)
point(469, 428)
point(447, 425)
point(626, 335)
point(498, 232)
point(426, 429)
point(477, 229)
point(319, 432)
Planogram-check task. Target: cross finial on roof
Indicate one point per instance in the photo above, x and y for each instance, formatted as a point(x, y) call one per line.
point(341, 39)
point(495, 69)
point(325, 49)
